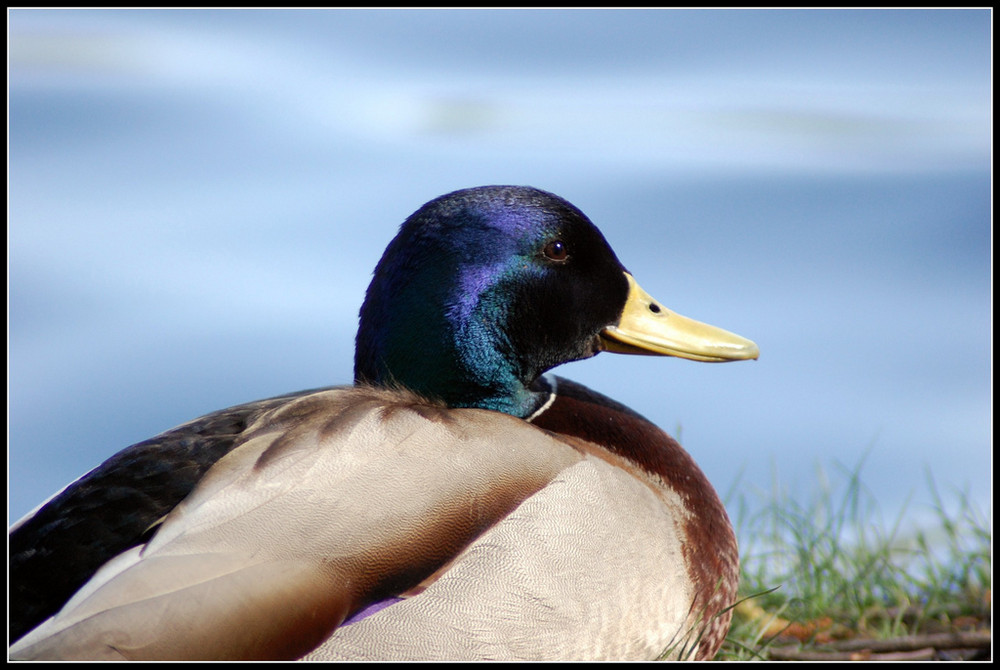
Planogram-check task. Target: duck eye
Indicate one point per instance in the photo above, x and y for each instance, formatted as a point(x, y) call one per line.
point(555, 251)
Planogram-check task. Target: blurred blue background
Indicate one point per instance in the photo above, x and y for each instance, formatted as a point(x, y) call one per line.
point(197, 200)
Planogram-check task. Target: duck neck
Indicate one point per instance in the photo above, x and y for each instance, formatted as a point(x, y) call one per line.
point(461, 356)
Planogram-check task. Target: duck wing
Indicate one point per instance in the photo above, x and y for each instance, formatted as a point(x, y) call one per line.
point(326, 503)
point(54, 550)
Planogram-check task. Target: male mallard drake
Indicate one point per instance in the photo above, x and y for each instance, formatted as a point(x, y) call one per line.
point(453, 504)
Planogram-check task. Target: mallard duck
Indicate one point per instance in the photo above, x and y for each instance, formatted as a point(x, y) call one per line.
point(455, 502)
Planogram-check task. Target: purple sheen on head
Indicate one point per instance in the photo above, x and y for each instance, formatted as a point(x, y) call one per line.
point(369, 610)
point(473, 282)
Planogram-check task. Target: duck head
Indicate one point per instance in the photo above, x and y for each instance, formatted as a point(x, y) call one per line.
point(484, 289)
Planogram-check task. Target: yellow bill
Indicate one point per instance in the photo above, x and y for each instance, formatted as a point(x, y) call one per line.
point(647, 327)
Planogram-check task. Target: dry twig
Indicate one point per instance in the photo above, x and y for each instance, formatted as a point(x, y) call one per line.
point(911, 647)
